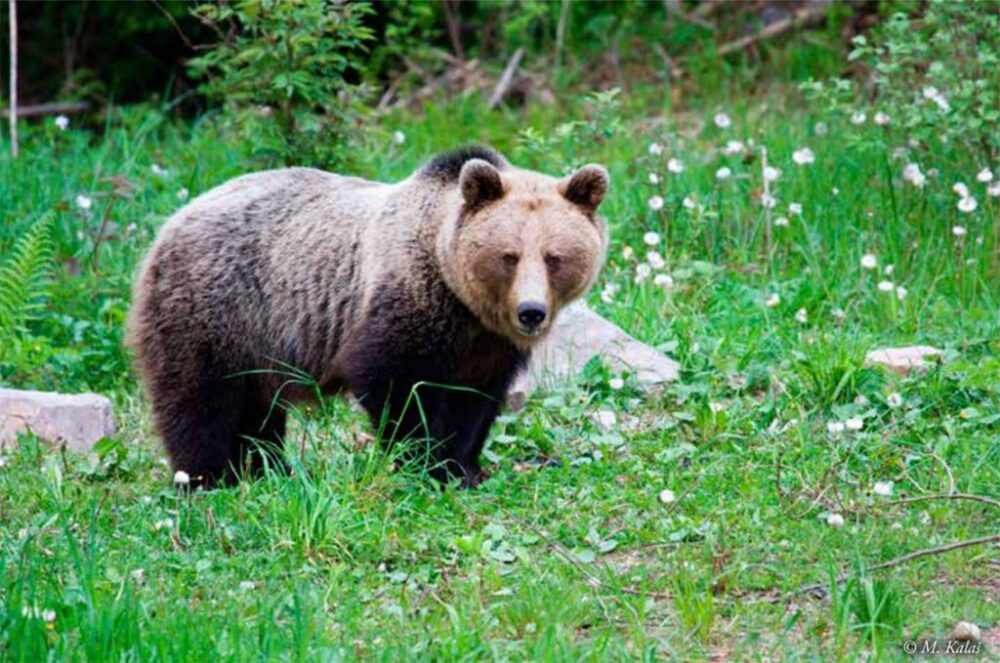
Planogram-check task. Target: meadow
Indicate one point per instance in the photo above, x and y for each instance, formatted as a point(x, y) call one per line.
point(742, 513)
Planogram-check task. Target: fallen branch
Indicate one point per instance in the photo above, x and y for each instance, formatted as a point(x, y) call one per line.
point(927, 552)
point(505, 80)
point(950, 496)
point(802, 17)
point(58, 108)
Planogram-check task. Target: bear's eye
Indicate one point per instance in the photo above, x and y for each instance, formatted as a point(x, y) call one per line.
point(552, 261)
point(510, 259)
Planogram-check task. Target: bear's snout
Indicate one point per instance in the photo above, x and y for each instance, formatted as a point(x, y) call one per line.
point(531, 315)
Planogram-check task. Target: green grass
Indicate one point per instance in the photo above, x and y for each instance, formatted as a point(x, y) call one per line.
point(576, 559)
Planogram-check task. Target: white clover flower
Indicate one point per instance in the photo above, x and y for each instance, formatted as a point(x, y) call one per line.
point(858, 117)
point(801, 316)
point(131, 228)
point(835, 427)
point(854, 423)
point(734, 147)
point(655, 203)
point(771, 174)
point(883, 488)
point(651, 239)
point(901, 292)
point(716, 407)
point(642, 272)
point(655, 260)
point(821, 129)
point(768, 201)
point(606, 419)
point(994, 189)
point(882, 119)
point(958, 231)
point(398, 137)
point(967, 205)
point(62, 122)
point(886, 286)
point(960, 189)
point(795, 208)
point(159, 170)
point(930, 92)
point(183, 194)
point(83, 202)
point(773, 300)
point(838, 313)
point(655, 149)
point(889, 269)
point(138, 575)
point(654, 178)
point(166, 523)
point(723, 173)
point(667, 496)
point(835, 520)
point(722, 120)
point(688, 202)
point(48, 616)
point(803, 156)
point(869, 261)
point(985, 176)
point(675, 166)
point(781, 222)
point(608, 293)
point(181, 478)
point(663, 280)
point(616, 383)
point(628, 251)
point(248, 585)
point(894, 400)
point(910, 171)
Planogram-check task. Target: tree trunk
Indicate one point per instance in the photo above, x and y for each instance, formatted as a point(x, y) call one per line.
point(13, 77)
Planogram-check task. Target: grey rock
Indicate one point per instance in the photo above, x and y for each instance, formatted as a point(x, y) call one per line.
point(578, 335)
point(76, 420)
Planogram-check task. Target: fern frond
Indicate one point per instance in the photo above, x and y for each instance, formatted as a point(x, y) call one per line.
point(25, 277)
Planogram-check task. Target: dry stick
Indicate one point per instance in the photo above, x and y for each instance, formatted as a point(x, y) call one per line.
point(798, 19)
point(58, 108)
point(949, 496)
point(13, 77)
point(993, 538)
point(506, 78)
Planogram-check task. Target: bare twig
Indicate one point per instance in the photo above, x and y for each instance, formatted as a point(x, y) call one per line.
point(12, 4)
point(454, 22)
point(949, 496)
point(993, 538)
point(60, 108)
point(173, 22)
point(802, 17)
point(508, 75)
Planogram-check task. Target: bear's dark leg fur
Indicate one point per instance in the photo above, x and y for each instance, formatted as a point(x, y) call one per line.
point(219, 433)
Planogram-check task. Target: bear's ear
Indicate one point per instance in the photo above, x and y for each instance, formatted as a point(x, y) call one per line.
point(586, 187)
point(480, 183)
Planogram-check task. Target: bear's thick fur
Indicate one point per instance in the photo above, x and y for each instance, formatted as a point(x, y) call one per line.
point(386, 290)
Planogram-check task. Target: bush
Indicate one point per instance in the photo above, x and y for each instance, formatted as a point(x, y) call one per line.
point(291, 73)
point(933, 74)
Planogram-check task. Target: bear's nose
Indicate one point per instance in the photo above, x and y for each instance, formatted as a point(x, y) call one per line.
point(531, 314)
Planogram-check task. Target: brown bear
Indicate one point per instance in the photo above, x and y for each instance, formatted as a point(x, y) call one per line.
point(422, 299)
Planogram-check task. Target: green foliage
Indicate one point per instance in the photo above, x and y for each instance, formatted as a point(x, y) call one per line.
point(935, 72)
point(288, 70)
point(25, 277)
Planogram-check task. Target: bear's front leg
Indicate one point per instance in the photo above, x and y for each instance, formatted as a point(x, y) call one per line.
point(468, 416)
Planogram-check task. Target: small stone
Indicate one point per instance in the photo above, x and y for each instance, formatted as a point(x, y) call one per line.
point(902, 360)
point(78, 420)
point(966, 631)
point(578, 335)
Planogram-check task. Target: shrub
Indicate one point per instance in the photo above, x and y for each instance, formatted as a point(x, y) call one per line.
point(291, 71)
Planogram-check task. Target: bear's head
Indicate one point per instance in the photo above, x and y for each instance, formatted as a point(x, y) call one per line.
point(520, 245)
